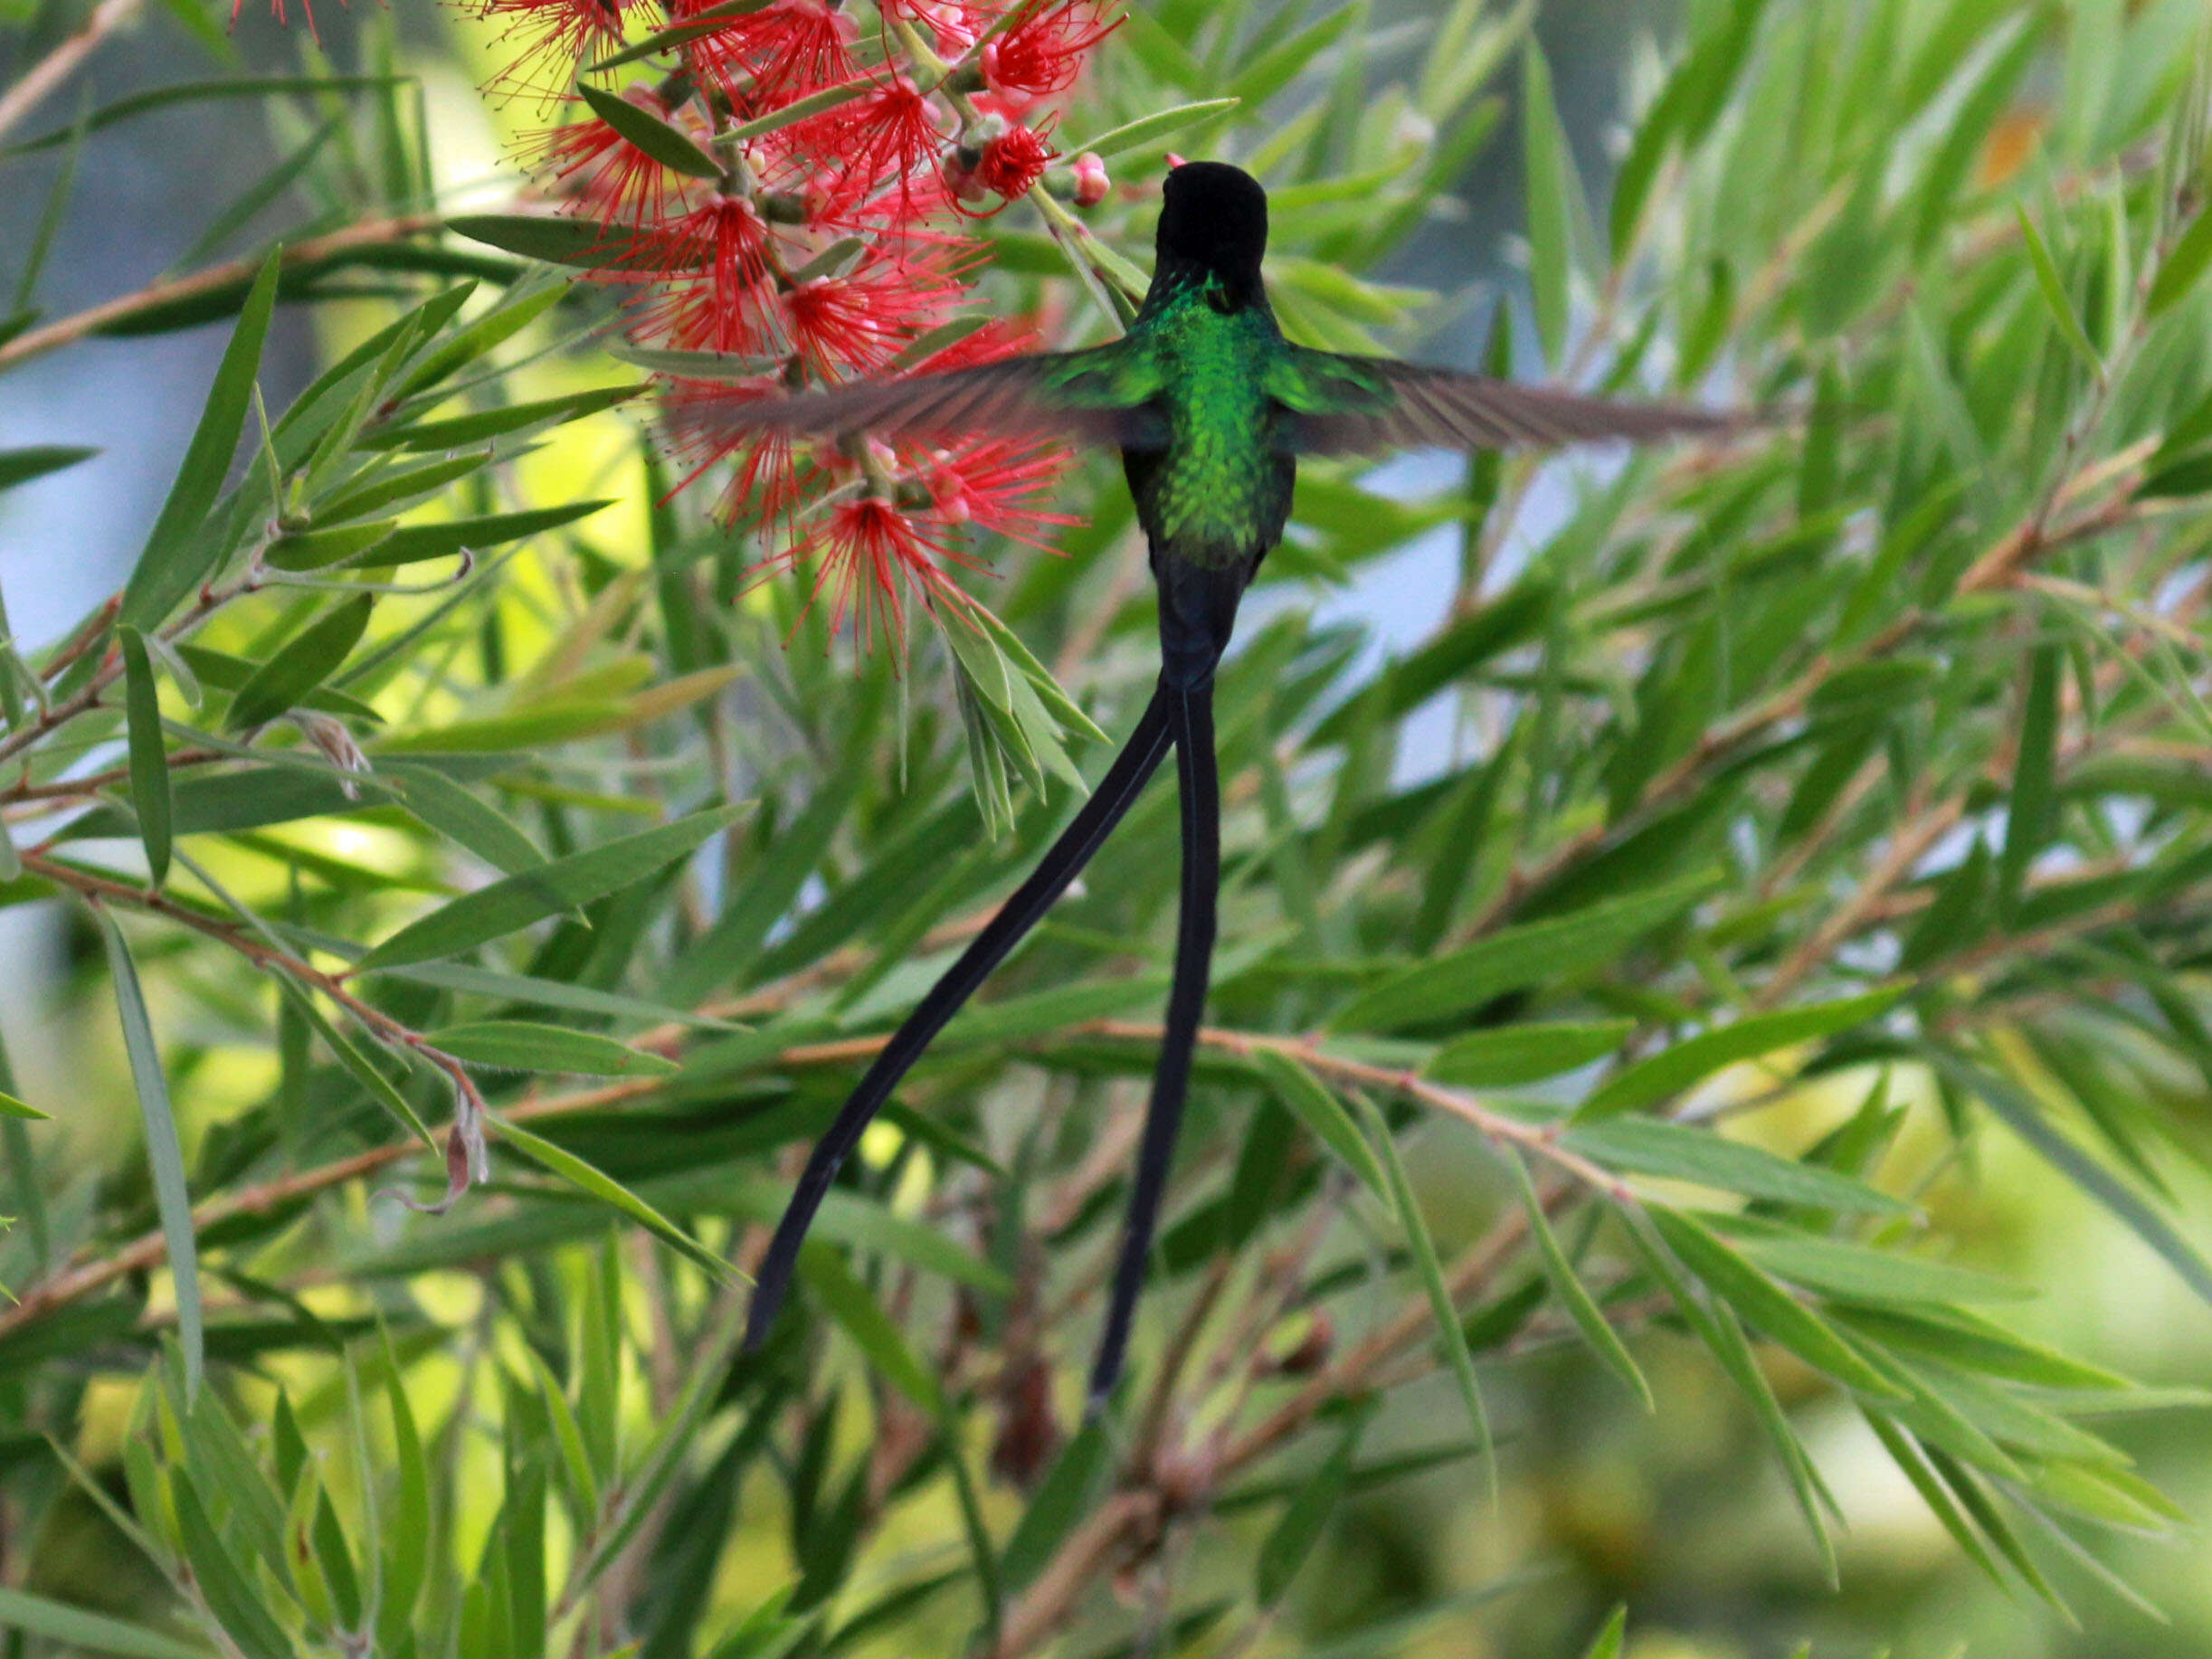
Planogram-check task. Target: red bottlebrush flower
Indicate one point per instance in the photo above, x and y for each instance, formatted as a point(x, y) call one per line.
point(554, 38)
point(859, 321)
point(602, 173)
point(885, 138)
point(784, 51)
point(872, 556)
point(771, 474)
point(955, 24)
point(724, 239)
point(999, 485)
point(1013, 161)
point(1041, 52)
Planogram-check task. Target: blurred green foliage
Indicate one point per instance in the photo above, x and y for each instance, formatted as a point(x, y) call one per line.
point(1673, 1021)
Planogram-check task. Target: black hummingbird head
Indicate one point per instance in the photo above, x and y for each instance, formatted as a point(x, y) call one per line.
point(1214, 216)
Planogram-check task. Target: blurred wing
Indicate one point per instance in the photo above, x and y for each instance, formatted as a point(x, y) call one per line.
point(1342, 405)
point(1096, 396)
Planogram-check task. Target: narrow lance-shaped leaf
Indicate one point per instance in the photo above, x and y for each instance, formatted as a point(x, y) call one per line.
point(1298, 1528)
point(655, 138)
point(80, 1628)
point(2032, 805)
point(166, 572)
point(523, 1045)
point(150, 765)
point(588, 1178)
point(1147, 127)
point(1671, 1070)
point(1549, 180)
point(1574, 1296)
point(1431, 1269)
point(2055, 296)
point(163, 1153)
point(503, 907)
point(1767, 1304)
point(301, 664)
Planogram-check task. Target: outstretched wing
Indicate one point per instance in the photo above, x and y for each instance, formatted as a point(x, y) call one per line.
point(1098, 397)
point(1343, 405)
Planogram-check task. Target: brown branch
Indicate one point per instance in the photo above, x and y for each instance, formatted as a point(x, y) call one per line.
point(51, 70)
point(373, 232)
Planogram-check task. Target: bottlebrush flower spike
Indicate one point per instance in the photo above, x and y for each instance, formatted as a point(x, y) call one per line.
point(1041, 52)
point(554, 38)
point(764, 59)
point(858, 323)
point(999, 485)
point(872, 556)
point(890, 136)
point(602, 174)
point(1013, 161)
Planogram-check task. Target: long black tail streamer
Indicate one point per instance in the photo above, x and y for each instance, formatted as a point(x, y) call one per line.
point(1191, 728)
point(1116, 792)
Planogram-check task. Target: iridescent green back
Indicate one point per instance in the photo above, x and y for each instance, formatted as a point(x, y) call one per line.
point(1218, 493)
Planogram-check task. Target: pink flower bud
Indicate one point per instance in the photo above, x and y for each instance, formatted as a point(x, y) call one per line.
point(1091, 181)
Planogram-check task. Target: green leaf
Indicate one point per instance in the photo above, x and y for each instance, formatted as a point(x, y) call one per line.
point(699, 23)
point(460, 432)
point(847, 1301)
point(2055, 296)
point(98, 1632)
point(505, 907)
point(1857, 1273)
point(21, 466)
point(163, 1154)
point(1551, 187)
point(1158, 125)
point(149, 760)
point(1574, 1296)
point(522, 1045)
point(1068, 1490)
point(2032, 809)
point(299, 550)
point(650, 134)
point(463, 817)
point(413, 543)
point(2025, 1119)
point(170, 564)
point(237, 1606)
point(2183, 266)
point(354, 1062)
point(800, 110)
point(1766, 1304)
point(582, 242)
point(1673, 1070)
point(1507, 1055)
point(554, 993)
point(1544, 952)
point(1609, 1640)
point(1298, 1528)
point(301, 664)
point(1424, 1251)
point(12, 1107)
point(1317, 1106)
point(585, 1178)
point(1716, 1327)
point(1673, 1151)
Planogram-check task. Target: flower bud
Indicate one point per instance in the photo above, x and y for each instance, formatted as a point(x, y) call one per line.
point(1091, 181)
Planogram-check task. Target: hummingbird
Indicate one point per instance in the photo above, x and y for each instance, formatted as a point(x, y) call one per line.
point(1211, 408)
